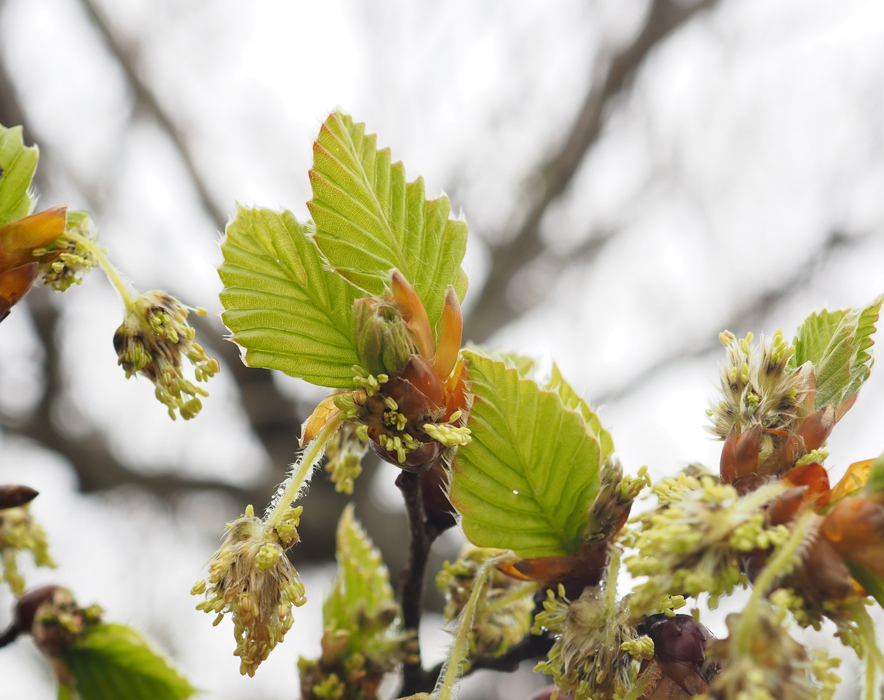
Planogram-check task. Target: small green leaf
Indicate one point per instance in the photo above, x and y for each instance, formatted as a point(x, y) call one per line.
point(876, 476)
point(112, 662)
point(17, 165)
point(837, 343)
point(369, 220)
point(874, 586)
point(528, 477)
point(363, 583)
point(575, 402)
point(282, 305)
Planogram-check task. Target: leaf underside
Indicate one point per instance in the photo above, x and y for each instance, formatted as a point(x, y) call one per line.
point(18, 164)
point(837, 343)
point(369, 220)
point(113, 662)
point(526, 480)
point(282, 305)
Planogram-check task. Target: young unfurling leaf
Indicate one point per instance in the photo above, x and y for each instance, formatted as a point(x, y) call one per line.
point(362, 588)
point(837, 343)
point(528, 477)
point(360, 642)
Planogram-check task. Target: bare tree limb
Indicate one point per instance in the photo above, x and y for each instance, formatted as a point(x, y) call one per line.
point(531, 647)
point(9, 635)
point(10, 111)
point(421, 537)
point(493, 309)
point(756, 309)
point(147, 99)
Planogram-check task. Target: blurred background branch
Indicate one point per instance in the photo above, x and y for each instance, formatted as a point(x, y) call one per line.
point(522, 243)
point(696, 167)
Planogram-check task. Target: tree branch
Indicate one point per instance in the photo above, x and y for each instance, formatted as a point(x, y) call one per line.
point(9, 635)
point(148, 100)
point(493, 309)
point(755, 310)
point(421, 537)
point(10, 111)
point(531, 647)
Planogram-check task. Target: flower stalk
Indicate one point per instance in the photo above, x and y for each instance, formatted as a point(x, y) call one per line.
point(303, 469)
point(781, 564)
point(457, 656)
point(113, 275)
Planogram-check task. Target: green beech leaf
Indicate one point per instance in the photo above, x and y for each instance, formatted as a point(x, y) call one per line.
point(575, 402)
point(369, 220)
point(363, 582)
point(528, 477)
point(837, 343)
point(874, 586)
point(112, 662)
point(282, 305)
point(17, 163)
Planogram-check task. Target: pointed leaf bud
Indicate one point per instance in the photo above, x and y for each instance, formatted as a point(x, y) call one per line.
point(382, 339)
point(450, 335)
point(414, 313)
point(14, 496)
point(19, 239)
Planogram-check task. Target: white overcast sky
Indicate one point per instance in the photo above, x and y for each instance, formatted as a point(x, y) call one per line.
point(748, 138)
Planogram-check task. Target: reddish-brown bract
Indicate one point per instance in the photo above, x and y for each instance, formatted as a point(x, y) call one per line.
point(18, 264)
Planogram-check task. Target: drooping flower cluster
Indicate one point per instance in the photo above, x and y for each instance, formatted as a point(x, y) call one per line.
point(65, 261)
point(153, 340)
point(19, 531)
point(594, 655)
point(503, 612)
point(251, 578)
point(344, 453)
point(693, 543)
point(770, 665)
point(767, 414)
